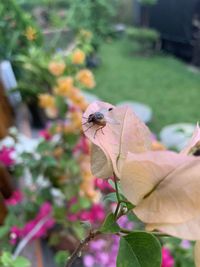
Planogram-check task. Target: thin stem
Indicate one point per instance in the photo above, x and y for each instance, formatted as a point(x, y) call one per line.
point(117, 195)
point(159, 234)
point(116, 188)
point(80, 247)
point(125, 231)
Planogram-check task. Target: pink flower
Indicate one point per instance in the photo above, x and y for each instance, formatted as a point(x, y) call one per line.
point(45, 211)
point(97, 213)
point(167, 259)
point(16, 198)
point(103, 185)
point(45, 134)
point(5, 156)
point(89, 261)
point(82, 146)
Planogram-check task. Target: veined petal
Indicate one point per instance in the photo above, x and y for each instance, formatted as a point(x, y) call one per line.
point(142, 172)
point(129, 134)
point(176, 199)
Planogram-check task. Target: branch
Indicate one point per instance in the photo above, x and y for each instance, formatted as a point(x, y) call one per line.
point(80, 247)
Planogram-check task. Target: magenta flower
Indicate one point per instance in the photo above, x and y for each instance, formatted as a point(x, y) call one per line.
point(45, 134)
point(167, 259)
point(103, 185)
point(44, 212)
point(94, 214)
point(82, 146)
point(15, 199)
point(5, 156)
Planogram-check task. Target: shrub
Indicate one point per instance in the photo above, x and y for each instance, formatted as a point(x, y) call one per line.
point(146, 38)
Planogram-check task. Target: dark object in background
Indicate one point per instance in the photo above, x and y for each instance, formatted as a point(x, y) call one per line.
point(3, 210)
point(178, 22)
point(38, 118)
point(196, 34)
point(6, 186)
point(93, 61)
point(175, 22)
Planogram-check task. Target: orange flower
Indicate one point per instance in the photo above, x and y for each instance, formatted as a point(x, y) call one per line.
point(86, 78)
point(156, 146)
point(69, 128)
point(65, 86)
point(78, 99)
point(78, 57)
point(56, 68)
point(30, 33)
point(76, 119)
point(51, 113)
point(46, 101)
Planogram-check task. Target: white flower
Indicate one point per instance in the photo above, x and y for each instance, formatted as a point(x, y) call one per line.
point(58, 196)
point(8, 141)
point(42, 182)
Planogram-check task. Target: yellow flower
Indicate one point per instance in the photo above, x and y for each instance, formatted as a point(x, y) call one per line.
point(65, 86)
point(30, 33)
point(78, 57)
point(86, 78)
point(46, 101)
point(56, 68)
point(78, 99)
point(69, 128)
point(76, 119)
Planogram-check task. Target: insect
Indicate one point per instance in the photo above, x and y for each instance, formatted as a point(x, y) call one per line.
point(98, 118)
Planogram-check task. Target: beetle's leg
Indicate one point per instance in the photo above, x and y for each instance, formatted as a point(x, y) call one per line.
point(100, 128)
point(88, 128)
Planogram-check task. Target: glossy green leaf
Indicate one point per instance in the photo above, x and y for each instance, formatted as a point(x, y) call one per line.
point(110, 225)
point(139, 249)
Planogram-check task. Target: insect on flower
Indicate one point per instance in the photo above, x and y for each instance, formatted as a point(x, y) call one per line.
point(99, 118)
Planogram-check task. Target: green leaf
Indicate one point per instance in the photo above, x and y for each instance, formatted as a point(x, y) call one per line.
point(85, 203)
point(61, 257)
point(61, 105)
point(4, 230)
point(110, 225)
point(6, 258)
point(110, 197)
point(21, 262)
point(129, 206)
point(139, 249)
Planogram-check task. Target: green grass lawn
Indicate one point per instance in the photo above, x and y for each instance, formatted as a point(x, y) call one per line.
point(162, 82)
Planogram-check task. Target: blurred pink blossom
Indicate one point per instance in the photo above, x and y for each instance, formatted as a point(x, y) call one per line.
point(167, 259)
point(5, 156)
point(82, 146)
point(16, 198)
point(95, 214)
point(103, 185)
point(45, 134)
point(45, 211)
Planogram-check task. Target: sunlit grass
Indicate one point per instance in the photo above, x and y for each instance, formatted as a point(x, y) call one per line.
point(163, 82)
